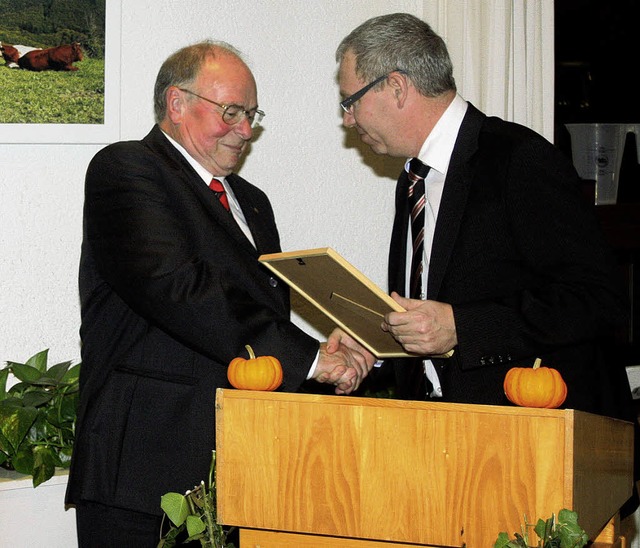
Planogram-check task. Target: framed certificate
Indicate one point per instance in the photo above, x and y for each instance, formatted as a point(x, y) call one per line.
point(342, 292)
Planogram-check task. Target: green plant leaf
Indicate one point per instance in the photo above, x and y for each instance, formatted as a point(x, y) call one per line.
point(171, 538)
point(15, 423)
point(72, 375)
point(67, 409)
point(17, 390)
point(44, 464)
point(4, 375)
point(64, 454)
point(25, 373)
point(502, 541)
point(195, 526)
point(176, 507)
point(570, 533)
point(46, 381)
point(58, 371)
point(41, 431)
point(545, 529)
point(22, 460)
point(37, 397)
point(39, 360)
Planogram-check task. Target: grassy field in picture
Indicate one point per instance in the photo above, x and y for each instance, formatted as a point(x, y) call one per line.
point(53, 97)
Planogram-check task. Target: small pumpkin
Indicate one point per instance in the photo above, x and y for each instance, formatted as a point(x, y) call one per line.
point(535, 387)
point(261, 373)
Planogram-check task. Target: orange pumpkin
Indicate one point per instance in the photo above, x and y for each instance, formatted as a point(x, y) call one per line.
point(261, 373)
point(535, 387)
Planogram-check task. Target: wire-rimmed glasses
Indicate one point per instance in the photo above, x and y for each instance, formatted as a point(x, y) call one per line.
point(233, 114)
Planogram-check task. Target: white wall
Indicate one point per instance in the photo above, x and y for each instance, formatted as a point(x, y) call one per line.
point(324, 192)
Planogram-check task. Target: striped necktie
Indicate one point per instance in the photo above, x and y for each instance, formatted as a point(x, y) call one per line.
point(416, 196)
point(218, 188)
point(420, 369)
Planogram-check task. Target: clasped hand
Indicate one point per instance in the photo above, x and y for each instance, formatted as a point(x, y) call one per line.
point(343, 362)
point(427, 328)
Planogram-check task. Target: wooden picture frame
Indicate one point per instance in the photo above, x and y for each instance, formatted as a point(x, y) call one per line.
point(341, 292)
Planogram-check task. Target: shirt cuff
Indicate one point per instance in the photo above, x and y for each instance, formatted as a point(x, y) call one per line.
point(313, 366)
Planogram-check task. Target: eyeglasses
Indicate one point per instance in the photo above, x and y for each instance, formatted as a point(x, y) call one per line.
point(348, 103)
point(233, 114)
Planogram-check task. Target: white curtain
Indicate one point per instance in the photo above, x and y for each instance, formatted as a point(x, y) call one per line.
point(503, 56)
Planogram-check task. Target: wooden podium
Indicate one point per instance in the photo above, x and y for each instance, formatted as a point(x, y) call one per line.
point(300, 470)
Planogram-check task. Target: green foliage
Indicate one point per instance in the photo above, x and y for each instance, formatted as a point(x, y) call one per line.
point(193, 516)
point(563, 533)
point(388, 392)
point(53, 97)
point(38, 416)
point(47, 23)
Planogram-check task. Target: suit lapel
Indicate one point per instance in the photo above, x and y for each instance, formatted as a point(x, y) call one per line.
point(251, 213)
point(454, 199)
point(157, 141)
point(398, 248)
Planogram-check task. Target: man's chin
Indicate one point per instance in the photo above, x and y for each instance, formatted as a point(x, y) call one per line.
point(377, 148)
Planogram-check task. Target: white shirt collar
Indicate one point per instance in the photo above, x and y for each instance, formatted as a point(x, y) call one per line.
point(206, 176)
point(436, 151)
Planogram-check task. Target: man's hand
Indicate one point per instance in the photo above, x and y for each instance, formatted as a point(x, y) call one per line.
point(343, 362)
point(427, 328)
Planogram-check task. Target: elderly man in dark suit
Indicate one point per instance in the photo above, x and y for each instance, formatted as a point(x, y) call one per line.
point(511, 265)
point(171, 291)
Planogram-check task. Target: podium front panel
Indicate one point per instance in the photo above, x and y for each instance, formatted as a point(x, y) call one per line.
point(407, 472)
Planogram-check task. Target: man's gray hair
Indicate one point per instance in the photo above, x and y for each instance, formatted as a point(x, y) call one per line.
point(400, 41)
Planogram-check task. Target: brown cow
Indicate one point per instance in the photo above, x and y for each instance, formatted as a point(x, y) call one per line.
point(57, 58)
point(12, 54)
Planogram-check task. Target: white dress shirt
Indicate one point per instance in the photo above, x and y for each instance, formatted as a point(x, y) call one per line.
point(436, 152)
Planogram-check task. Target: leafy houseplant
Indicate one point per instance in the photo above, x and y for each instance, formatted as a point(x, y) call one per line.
point(563, 533)
point(193, 516)
point(38, 416)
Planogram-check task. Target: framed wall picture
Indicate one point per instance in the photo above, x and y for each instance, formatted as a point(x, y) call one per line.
point(60, 73)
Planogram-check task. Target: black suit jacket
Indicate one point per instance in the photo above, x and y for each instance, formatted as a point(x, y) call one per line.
point(518, 253)
point(171, 291)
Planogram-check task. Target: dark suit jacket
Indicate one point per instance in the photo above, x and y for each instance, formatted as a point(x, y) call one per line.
point(518, 253)
point(171, 291)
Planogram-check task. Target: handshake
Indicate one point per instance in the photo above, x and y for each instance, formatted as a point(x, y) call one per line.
point(425, 328)
point(343, 362)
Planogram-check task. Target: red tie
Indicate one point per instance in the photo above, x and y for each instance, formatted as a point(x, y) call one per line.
point(217, 187)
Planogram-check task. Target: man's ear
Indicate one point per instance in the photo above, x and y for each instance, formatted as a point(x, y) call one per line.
point(399, 85)
point(176, 104)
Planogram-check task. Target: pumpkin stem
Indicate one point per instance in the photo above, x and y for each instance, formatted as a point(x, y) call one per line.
point(537, 363)
point(252, 356)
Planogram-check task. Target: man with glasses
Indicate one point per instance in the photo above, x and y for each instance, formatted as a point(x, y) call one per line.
point(171, 291)
point(514, 266)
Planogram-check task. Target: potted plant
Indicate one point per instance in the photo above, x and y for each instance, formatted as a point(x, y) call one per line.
point(561, 533)
point(38, 416)
point(193, 516)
